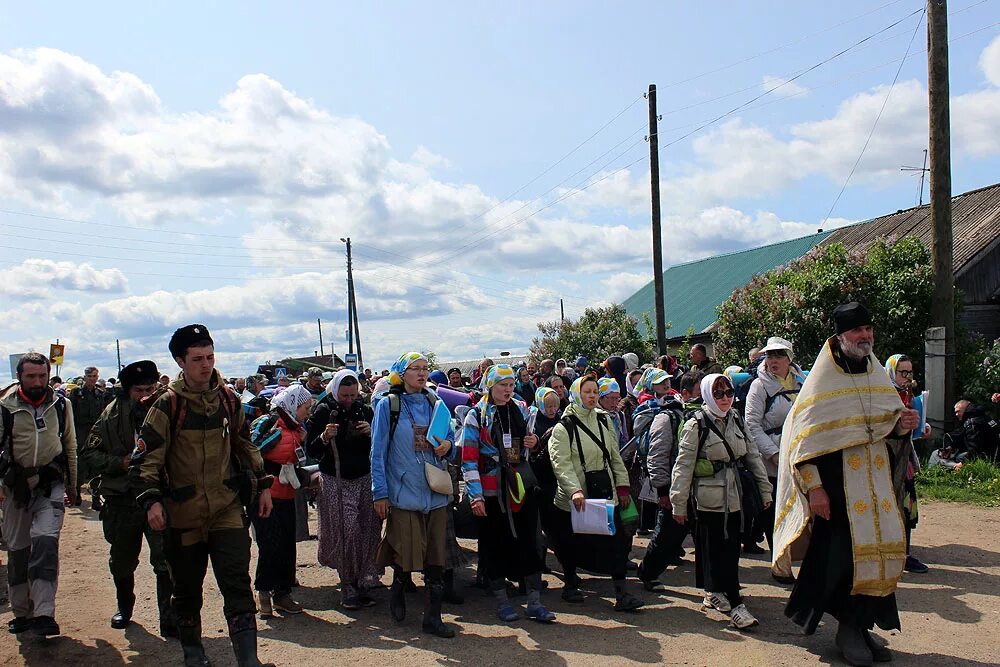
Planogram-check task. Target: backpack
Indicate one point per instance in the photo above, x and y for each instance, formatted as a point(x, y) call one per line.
point(264, 432)
point(642, 421)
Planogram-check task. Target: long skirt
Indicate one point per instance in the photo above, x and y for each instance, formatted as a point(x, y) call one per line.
point(275, 537)
point(349, 531)
point(599, 554)
point(717, 556)
point(502, 554)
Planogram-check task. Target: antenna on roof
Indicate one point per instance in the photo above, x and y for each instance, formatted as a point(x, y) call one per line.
point(923, 174)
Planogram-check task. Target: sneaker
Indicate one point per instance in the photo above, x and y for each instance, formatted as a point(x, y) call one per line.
point(741, 618)
point(914, 565)
point(45, 626)
point(717, 601)
point(264, 604)
point(18, 625)
point(351, 602)
point(285, 604)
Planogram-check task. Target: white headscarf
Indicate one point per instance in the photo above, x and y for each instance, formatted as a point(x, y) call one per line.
point(333, 386)
point(290, 399)
point(706, 394)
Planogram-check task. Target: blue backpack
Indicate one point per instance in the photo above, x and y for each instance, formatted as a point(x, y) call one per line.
point(264, 432)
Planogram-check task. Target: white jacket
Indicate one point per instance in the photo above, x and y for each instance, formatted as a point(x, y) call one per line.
point(758, 421)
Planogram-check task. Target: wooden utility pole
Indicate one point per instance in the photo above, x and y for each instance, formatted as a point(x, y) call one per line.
point(353, 327)
point(319, 325)
point(562, 312)
point(654, 189)
point(118, 347)
point(943, 303)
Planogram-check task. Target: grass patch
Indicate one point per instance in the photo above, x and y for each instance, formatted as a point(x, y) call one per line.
point(977, 482)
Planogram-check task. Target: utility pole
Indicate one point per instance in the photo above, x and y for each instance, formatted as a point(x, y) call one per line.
point(943, 303)
point(562, 312)
point(654, 189)
point(118, 347)
point(319, 325)
point(353, 326)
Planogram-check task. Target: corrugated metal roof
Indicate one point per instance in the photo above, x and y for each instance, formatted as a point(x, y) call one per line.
point(975, 219)
point(692, 291)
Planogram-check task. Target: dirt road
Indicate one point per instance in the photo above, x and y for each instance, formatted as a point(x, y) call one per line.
point(950, 616)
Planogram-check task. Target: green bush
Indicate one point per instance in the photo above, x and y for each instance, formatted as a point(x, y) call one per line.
point(598, 334)
point(977, 482)
point(894, 280)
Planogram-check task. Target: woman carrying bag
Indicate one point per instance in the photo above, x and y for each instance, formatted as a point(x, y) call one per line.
point(586, 462)
point(713, 446)
point(339, 437)
point(411, 489)
point(495, 447)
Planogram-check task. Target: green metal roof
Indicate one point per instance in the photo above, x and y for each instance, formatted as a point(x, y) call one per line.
point(694, 290)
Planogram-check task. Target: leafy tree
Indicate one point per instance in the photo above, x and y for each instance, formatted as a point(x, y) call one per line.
point(894, 280)
point(432, 360)
point(597, 335)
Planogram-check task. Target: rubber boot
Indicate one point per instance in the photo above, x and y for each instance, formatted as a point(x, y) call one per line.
point(397, 599)
point(125, 593)
point(243, 635)
point(164, 590)
point(432, 610)
point(451, 595)
point(190, 635)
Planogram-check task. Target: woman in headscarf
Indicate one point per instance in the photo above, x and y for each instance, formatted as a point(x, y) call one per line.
point(905, 465)
point(712, 443)
point(275, 535)
point(558, 384)
point(523, 387)
point(339, 437)
point(768, 401)
point(615, 368)
point(416, 515)
point(587, 464)
point(495, 442)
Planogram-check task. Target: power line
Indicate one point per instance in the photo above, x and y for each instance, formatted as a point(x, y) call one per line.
point(877, 118)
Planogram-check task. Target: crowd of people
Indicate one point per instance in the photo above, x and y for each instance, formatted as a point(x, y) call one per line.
point(400, 464)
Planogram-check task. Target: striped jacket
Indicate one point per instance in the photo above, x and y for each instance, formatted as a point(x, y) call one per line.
point(480, 454)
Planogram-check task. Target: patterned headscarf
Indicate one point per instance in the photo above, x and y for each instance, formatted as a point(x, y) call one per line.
point(890, 368)
point(494, 374)
point(540, 395)
point(607, 386)
point(650, 377)
point(575, 393)
point(404, 362)
point(290, 399)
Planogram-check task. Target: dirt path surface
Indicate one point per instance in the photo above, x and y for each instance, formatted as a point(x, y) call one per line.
point(950, 616)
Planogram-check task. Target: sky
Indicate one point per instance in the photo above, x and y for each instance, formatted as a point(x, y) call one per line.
point(163, 164)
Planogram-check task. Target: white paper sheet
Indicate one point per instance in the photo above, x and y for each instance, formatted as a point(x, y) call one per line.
point(596, 518)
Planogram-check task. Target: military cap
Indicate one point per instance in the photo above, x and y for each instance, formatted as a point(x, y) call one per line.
point(139, 372)
point(189, 336)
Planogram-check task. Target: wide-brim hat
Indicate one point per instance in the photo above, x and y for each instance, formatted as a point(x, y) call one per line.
point(775, 343)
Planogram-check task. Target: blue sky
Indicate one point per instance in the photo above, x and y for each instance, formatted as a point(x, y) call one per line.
point(211, 154)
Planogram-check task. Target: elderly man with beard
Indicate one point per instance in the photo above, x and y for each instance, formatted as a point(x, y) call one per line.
point(836, 503)
point(38, 471)
point(106, 457)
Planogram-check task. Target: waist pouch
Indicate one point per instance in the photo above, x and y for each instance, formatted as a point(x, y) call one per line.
point(706, 468)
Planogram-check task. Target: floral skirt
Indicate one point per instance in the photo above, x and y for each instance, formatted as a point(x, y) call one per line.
point(349, 531)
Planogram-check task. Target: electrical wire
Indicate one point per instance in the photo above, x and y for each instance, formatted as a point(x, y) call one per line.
point(878, 117)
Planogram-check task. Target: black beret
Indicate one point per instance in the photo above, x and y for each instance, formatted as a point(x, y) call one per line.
point(190, 336)
point(139, 372)
point(850, 316)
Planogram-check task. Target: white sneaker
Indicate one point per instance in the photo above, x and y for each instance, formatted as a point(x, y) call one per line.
point(717, 601)
point(741, 618)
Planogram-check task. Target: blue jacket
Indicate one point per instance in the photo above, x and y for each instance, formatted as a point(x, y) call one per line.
point(398, 469)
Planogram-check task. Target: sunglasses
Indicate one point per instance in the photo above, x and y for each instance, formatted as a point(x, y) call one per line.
point(720, 394)
point(906, 374)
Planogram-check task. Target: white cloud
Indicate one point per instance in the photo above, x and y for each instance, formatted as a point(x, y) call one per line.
point(783, 87)
point(989, 61)
point(619, 286)
point(36, 278)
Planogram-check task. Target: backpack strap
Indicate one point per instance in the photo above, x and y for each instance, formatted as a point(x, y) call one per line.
point(395, 406)
point(769, 401)
point(8, 428)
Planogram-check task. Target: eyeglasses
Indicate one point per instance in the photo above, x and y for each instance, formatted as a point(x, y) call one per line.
point(720, 394)
point(906, 374)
